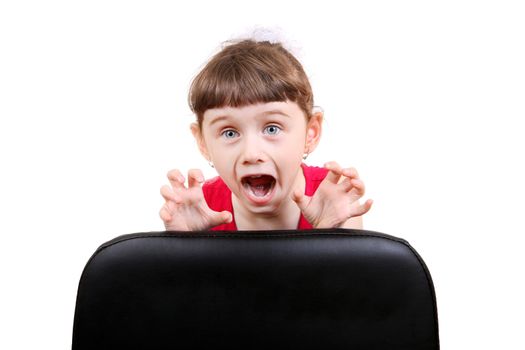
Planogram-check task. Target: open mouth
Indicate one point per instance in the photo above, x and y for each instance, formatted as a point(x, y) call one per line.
point(258, 186)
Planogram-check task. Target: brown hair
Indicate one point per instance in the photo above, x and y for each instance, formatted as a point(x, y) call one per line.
point(249, 72)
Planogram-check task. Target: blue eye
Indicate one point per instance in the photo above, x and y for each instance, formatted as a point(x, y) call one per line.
point(229, 134)
point(272, 130)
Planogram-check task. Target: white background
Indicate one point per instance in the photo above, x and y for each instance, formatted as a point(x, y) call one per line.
point(423, 98)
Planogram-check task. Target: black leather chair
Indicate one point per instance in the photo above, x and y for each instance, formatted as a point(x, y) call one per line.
point(316, 289)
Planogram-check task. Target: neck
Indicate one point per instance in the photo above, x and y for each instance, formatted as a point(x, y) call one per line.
point(287, 218)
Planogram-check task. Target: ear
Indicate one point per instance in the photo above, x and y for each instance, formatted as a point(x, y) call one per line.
point(313, 132)
point(197, 134)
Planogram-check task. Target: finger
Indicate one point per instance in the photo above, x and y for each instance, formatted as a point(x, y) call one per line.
point(165, 215)
point(363, 208)
point(176, 178)
point(334, 172)
point(358, 186)
point(301, 199)
point(350, 172)
point(346, 185)
point(168, 194)
point(228, 217)
point(224, 217)
point(195, 178)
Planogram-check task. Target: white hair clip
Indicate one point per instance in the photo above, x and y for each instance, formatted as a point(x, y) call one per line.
point(272, 35)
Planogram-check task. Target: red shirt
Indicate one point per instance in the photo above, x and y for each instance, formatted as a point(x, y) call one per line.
point(219, 197)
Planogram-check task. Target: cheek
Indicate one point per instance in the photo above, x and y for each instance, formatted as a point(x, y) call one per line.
point(216, 148)
point(224, 158)
point(295, 144)
point(290, 155)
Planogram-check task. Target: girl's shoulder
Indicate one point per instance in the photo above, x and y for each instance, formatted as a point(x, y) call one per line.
point(215, 186)
point(218, 197)
point(217, 194)
point(313, 176)
point(314, 173)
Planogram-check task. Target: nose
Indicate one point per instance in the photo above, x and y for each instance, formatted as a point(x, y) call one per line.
point(253, 151)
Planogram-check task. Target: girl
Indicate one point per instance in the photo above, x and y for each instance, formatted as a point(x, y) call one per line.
point(256, 123)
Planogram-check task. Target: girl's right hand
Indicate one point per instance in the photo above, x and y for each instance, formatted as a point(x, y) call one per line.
point(185, 208)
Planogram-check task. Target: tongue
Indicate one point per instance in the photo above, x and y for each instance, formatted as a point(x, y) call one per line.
point(260, 186)
point(260, 190)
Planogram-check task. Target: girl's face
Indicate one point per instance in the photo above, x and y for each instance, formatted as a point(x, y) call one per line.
point(258, 149)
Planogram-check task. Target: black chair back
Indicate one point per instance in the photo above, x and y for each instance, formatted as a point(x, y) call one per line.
point(316, 289)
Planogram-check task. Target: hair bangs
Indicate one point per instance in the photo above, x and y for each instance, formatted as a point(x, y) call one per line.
point(239, 87)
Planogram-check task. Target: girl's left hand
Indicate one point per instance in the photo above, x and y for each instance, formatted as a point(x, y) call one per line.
point(336, 200)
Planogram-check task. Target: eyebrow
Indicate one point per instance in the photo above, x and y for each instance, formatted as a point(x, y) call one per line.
point(265, 113)
point(218, 119)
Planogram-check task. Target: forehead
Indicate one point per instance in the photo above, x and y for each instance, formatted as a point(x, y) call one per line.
point(261, 110)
